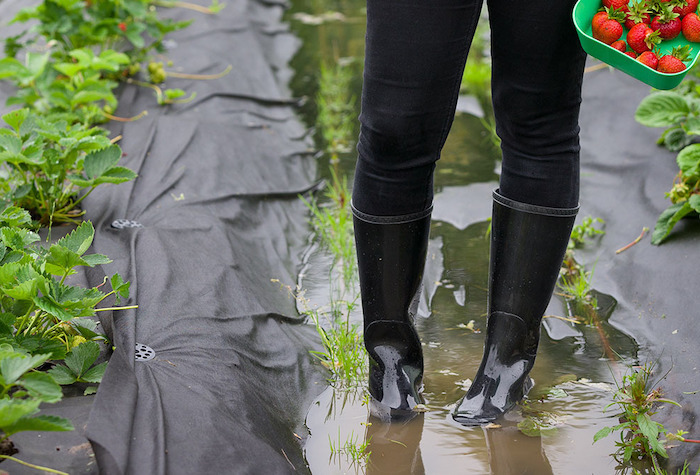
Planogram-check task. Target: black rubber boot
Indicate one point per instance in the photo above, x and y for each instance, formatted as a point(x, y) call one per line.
point(391, 254)
point(527, 248)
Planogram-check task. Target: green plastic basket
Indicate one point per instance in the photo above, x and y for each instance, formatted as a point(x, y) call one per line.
point(583, 14)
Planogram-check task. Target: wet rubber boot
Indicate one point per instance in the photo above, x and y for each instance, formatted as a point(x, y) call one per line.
point(528, 243)
point(391, 254)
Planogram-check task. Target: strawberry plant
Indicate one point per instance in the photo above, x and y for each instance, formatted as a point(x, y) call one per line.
point(46, 162)
point(39, 311)
point(679, 112)
point(22, 389)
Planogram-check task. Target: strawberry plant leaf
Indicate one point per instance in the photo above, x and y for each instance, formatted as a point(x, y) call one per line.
point(115, 175)
point(36, 63)
point(120, 287)
point(14, 216)
point(98, 162)
point(689, 160)
point(668, 219)
point(90, 390)
point(18, 238)
point(694, 202)
point(11, 68)
point(43, 423)
point(42, 386)
point(12, 410)
point(52, 308)
point(692, 126)
point(94, 374)
point(13, 367)
point(62, 375)
point(82, 357)
point(93, 260)
point(61, 261)
point(662, 109)
point(80, 239)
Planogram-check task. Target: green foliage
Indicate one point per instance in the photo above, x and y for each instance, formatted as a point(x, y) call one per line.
point(640, 436)
point(575, 281)
point(39, 312)
point(23, 389)
point(333, 224)
point(48, 162)
point(336, 108)
point(679, 112)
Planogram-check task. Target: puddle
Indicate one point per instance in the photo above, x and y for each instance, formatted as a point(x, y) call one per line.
point(573, 373)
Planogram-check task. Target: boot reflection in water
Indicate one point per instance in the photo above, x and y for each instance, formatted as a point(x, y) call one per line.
point(394, 448)
point(414, 58)
point(513, 453)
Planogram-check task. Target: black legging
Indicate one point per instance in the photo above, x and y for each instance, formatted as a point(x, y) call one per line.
point(414, 59)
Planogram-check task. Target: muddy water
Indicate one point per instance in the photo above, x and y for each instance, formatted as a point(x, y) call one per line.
point(573, 374)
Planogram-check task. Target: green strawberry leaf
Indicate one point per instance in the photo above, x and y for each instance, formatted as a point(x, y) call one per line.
point(668, 219)
point(82, 357)
point(12, 410)
point(120, 287)
point(662, 109)
point(42, 386)
point(13, 367)
point(62, 375)
point(42, 423)
point(94, 374)
point(98, 162)
point(80, 239)
point(689, 160)
point(93, 260)
point(115, 175)
point(694, 202)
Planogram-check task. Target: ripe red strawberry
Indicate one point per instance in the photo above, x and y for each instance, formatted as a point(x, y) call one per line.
point(673, 63)
point(686, 7)
point(122, 26)
point(617, 4)
point(638, 13)
point(609, 31)
point(667, 23)
point(598, 18)
point(649, 58)
point(619, 45)
point(691, 27)
point(631, 54)
point(642, 38)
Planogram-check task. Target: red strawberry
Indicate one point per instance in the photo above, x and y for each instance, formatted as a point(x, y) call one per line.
point(616, 4)
point(619, 45)
point(667, 24)
point(685, 7)
point(122, 26)
point(631, 54)
point(649, 58)
point(609, 31)
point(642, 38)
point(638, 13)
point(598, 18)
point(691, 27)
point(673, 63)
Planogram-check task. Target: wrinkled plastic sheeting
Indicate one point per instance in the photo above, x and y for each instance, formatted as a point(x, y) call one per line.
point(208, 235)
point(624, 176)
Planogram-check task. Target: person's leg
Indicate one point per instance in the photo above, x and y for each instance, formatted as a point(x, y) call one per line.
point(537, 75)
point(414, 59)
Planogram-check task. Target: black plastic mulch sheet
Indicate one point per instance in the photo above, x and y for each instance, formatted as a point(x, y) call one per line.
point(207, 235)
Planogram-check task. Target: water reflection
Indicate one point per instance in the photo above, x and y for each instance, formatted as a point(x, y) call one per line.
point(395, 448)
point(513, 453)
